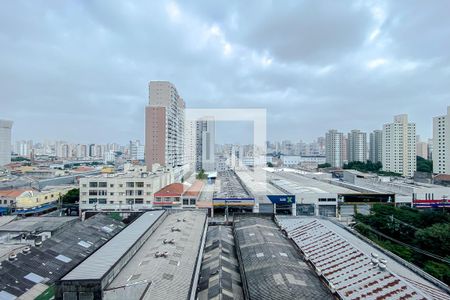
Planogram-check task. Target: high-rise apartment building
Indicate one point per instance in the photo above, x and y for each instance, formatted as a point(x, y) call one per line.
point(441, 143)
point(421, 148)
point(5, 142)
point(357, 146)
point(164, 126)
point(205, 145)
point(334, 148)
point(136, 150)
point(376, 146)
point(190, 143)
point(399, 146)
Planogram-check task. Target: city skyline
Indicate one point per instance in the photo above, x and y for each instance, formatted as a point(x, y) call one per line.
point(85, 64)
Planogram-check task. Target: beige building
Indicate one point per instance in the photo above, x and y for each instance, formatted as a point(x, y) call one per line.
point(335, 148)
point(357, 146)
point(164, 126)
point(441, 143)
point(123, 191)
point(399, 146)
point(421, 148)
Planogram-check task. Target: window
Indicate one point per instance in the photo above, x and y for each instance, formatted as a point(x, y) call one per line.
point(102, 193)
point(130, 201)
point(148, 202)
point(111, 194)
point(111, 185)
point(149, 193)
point(149, 185)
point(139, 201)
point(139, 192)
point(120, 185)
point(111, 202)
point(102, 201)
point(129, 192)
point(139, 184)
point(192, 201)
point(83, 185)
point(83, 202)
point(185, 201)
point(102, 184)
point(92, 201)
point(130, 184)
point(84, 193)
point(93, 193)
point(93, 184)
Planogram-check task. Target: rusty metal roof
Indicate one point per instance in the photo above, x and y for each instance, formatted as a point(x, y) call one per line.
point(351, 273)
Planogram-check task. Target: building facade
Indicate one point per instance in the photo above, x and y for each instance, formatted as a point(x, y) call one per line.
point(399, 146)
point(205, 145)
point(334, 148)
point(357, 146)
point(5, 142)
point(441, 143)
point(376, 146)
point(421, 148)
point(129, 191)
point(164, 126)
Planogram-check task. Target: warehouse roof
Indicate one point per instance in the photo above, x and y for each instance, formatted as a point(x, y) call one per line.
point(38, 224)
point(272, 267)
point(220, 275)
point(165, 265)
point(57, 255)
point(355, 269)
point(97, 265)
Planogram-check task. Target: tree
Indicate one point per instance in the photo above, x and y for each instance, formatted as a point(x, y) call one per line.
point(438, 270)
point(435, 238)
point(201, 175)
point(72, 196)
point(325, 165)
point(424, 165)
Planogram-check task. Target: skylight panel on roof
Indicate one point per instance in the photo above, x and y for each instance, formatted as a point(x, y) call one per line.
point(63, 258)
point(34, 278)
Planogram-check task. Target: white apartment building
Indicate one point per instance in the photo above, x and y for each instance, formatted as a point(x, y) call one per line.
point(123, 191)
point(421, 148)
point(376, 146)
point(399, 146)
point(441, 143)
point(357, 146)
point(334, 148)
point(5, 142)
point(136, 150)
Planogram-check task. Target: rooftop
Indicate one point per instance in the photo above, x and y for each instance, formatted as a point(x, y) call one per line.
point(195, 189)
point(171, 190)
point(272, 267)
point(149, 275)
point(57, 255)
point(38, 224)
point(299, 184)
point(97, 265)
point(230, 186)
point(353, 267)
point(220, 275)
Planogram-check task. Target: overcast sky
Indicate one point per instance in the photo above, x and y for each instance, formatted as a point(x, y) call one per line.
point(79, 70)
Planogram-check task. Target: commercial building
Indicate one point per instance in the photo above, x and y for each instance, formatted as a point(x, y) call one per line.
point(357, 146)
point(164, 126)
point(29, 201)
point(399, 146)
point(122, 191)
point(205, 145)
point(376, 146)
point(441, 143)
point(158, 256)
point(303, 160)
point(5, 142)
point(334, 148)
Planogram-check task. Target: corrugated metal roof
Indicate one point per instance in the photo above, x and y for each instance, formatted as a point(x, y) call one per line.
point(272, 267)
point(352, 273)
point(99, 263)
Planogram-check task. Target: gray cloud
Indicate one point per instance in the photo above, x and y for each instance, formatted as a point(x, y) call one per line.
point(79, 70)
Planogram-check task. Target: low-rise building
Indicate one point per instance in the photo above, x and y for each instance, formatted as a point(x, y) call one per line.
point(122, 191)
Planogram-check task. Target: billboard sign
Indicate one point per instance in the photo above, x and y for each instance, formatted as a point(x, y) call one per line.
point(282, 199)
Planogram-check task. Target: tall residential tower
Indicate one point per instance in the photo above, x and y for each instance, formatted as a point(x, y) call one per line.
point(164, 126)
point(441, 143)
point(357, 146)
point(376, 146)
point(334, 148)
point(5, 142)
point(399, 146)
